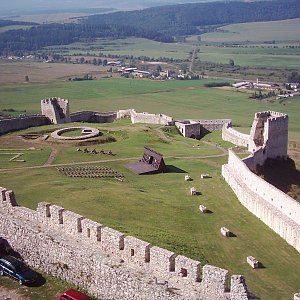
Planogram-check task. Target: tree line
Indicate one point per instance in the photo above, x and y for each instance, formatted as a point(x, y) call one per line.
point(185, 19)
point(164, 24)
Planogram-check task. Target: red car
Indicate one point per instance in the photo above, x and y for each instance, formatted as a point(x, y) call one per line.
point(72, 294)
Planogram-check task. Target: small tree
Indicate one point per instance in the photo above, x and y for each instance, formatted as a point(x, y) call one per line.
point(231, 62)
point(27, 78)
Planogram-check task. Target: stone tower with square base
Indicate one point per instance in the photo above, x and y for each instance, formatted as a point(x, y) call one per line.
point(56, 110)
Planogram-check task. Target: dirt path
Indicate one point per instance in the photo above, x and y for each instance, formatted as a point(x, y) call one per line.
point(54, 152)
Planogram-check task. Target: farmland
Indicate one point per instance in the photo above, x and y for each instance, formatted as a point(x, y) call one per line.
point(279, 31)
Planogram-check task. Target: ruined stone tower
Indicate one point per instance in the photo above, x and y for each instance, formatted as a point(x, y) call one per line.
point(269, 132)
point(56, 110)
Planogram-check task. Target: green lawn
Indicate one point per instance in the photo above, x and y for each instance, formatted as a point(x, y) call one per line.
point(158, 208)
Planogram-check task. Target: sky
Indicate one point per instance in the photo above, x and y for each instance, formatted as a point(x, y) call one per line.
point(27, 6)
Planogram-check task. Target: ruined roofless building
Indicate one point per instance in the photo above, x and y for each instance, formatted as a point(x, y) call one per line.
point(56, 110)
point(152, 162)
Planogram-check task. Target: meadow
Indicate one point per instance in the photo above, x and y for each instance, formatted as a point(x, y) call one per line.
point(179, 99)
point(155, 208)
point(264, 45)
point(279, 31)
point(130, 46)
point(158, 208)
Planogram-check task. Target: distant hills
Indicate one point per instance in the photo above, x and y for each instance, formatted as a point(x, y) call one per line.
point(185, 19)
point(164, 23)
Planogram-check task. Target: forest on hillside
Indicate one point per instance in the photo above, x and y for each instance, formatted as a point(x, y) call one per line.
point(163, 24)
point(185, 19)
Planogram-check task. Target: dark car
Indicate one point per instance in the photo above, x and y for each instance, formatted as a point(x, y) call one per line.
point(15, 268)
point(72, 294)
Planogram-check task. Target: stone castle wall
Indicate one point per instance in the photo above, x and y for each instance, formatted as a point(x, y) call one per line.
point(104, 261)
point(268, 139)
point(147, 118)
point(231, 135)
point(18, 123)
point(198, 128)
point(214, 124)
point(276, 209)
point(93, 117)
point(189, 128)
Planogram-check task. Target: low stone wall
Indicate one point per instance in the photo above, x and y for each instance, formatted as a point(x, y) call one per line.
point(104, 261)
point(93, 117)
point(213, 124)
point(57, 134)
point(147, 118)
point(233, 136)
point(276, 209)
point(18, 123)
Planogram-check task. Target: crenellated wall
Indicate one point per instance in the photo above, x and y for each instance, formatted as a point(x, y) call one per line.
point(270, 131)
point(104, 261)
point(18, 123)
point(268, 139)
point(56, 110)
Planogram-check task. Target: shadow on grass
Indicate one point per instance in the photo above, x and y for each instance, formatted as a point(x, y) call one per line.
point(231, 234)
point(173, 169)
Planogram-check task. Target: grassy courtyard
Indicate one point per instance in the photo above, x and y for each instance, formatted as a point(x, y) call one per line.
point(158, 208)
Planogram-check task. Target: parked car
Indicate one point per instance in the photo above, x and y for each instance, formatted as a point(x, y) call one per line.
point(72, 294)
point(16, 269)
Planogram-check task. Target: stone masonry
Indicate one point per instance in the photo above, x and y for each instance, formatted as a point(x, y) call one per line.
point(104, 261)
point(56, 110)
point(267, 139)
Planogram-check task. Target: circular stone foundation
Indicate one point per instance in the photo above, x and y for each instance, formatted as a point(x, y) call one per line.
point(87, 132)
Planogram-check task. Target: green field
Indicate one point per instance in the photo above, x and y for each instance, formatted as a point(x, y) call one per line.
point(179, 99)
point(260, 56)
point(282, 31)
point(130, 46)
point(158, 208)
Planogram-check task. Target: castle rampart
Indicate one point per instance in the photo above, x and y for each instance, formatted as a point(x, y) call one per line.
point(147, 118)
point(268, 139)
point(93, 117)
point(18, 123)
point(231, 135)
point(104, 261)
